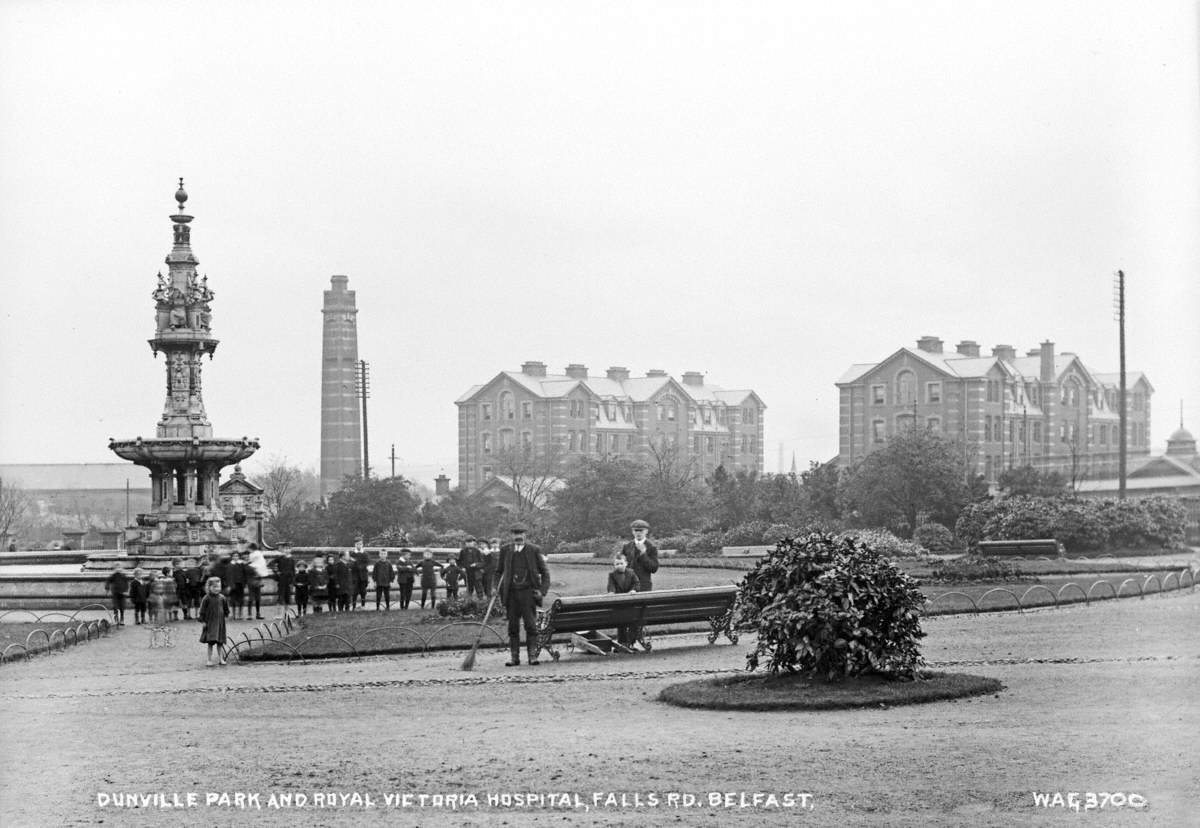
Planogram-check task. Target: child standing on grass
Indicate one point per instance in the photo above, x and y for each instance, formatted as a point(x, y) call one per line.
point(318, 583)
point(450, 574)
point(118, 588)
point(404, 578)
point(429, 569)
point(383, 574)
point(301, 581)
point(213, 611)
point(139, 594)
point(158, 597)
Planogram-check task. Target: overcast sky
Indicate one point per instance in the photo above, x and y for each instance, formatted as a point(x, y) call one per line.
point(764, 192)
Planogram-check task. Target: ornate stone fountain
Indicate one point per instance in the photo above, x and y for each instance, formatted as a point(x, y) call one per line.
point(184, 459)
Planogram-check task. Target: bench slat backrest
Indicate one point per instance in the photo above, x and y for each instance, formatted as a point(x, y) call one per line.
point(668, 606)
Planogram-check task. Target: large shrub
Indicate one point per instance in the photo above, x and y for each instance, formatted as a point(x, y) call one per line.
point(749, 533)
point(699, 545)
point(1082, 525)
point(777, 532)
point(884, 542)
point(935, 538)
point(602, 547)
point(832, 606)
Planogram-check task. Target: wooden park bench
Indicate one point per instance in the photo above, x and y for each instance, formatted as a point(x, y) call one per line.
point(1000, 548)
point(587, 613)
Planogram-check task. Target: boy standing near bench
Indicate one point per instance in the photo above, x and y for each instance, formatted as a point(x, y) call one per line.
point(620, 581)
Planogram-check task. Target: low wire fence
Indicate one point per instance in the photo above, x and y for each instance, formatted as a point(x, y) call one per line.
point(67, 632)
point(271, 635)
point(1003, 599)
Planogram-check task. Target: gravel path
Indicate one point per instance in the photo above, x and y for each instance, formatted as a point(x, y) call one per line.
point(1099, 698)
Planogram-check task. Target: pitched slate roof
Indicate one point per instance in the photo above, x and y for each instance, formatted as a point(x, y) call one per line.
point(634, 389)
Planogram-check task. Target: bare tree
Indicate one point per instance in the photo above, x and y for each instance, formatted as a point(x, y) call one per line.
point(14, 505)
point(285, 487)
point(533, 475)
point(673, 496)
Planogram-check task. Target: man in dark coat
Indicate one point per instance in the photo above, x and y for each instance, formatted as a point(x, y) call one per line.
point(524, 579)
point(642, 556)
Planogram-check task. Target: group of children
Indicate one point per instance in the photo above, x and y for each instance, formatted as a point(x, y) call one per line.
point(339, 583)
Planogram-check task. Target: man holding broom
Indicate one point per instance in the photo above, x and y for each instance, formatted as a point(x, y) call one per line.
point(523, 579)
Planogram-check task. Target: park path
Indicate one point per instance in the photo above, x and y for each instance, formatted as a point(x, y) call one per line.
point(1096, 698)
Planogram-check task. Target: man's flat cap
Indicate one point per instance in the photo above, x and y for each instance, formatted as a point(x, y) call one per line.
point(639, 524)
point(518, 529)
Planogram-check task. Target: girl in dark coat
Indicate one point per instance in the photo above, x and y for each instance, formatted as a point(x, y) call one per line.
point(213, 610)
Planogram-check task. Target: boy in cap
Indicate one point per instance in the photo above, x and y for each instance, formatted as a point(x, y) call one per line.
point(642, 555)
point(523, 579)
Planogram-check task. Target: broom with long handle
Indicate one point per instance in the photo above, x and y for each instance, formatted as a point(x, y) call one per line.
point(469, 661)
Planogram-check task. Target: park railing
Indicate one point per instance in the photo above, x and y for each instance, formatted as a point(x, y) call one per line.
point(68, 632)
point(1068, 593)
point(273, 634)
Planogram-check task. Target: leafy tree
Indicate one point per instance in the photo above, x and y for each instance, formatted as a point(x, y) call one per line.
point(1026, 480)
point(781, 500)
point(734, 497)
point(458, 510)
point(833, 607)
point(369, 508)
point(599, 497)
point(308, 525)
point(915, 472)
point(819, 489)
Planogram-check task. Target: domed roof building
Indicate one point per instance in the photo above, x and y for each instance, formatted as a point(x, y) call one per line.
point(1181, 444)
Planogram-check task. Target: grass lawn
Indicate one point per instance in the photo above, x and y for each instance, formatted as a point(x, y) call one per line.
point(367, 631)
point(794, 691)
point(36, 636)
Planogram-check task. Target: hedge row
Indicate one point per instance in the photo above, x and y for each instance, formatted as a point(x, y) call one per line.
point(1081, 525)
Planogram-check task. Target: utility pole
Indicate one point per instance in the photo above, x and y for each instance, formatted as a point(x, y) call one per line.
point(363, 382)
point(393, 456)
point(1120, 308)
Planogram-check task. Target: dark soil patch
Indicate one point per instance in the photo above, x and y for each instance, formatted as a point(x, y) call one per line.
point(796, 691)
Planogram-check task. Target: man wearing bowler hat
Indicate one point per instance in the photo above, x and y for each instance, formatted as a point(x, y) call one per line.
point(523, 579)
point(642, 557)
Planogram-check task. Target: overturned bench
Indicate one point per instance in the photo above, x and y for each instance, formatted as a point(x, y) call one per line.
point(583, 613)
point(1005, 548)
